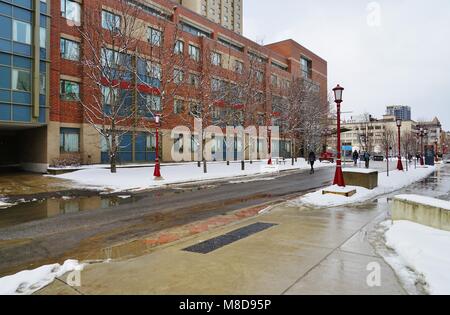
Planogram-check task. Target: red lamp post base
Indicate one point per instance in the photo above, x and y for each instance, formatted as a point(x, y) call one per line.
point(157, 172)
point(339, 176)
point(269, 162)
point(422, 162)
point(399, 165)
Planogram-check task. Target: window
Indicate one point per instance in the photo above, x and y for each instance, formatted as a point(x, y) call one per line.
point(110, 21)
point(21, 32)
point(215, 84)
point(69, 140)
point(194, 52)
point(259, 76)
point(178, 76)
point(70, 50)
point(150, 143)
point(43, 37)
point(154, 36)
point(306, 67)
point(179, 47)
point(274, 80)
point(21, 80)
point(69, 91)
point(194, 79)
point(195, 109)
point(216, 59)
point(178, 106)
point(153, 102)
point(71, 10)
point(109, 95)
point(154, 70)
point(238, 66)
point(42, 84)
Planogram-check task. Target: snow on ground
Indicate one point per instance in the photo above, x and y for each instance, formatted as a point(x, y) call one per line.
point(4, 204)
point(424, 250)
point(424, 200)
point(386, 184)
point(30, 281)
point(142, 178)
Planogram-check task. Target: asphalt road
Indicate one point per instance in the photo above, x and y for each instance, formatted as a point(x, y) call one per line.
point(78, 235)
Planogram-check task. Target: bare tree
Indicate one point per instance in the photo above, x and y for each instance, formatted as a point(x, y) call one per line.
point(387, 141)
point(408, 140)
point(110, 41)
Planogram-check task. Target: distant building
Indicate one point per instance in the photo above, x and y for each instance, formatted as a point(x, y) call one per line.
point(227, 13)
point(365, 133)
point(400, 112)
point(434, 129)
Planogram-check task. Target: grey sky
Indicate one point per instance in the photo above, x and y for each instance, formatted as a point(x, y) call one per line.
point(403, 61)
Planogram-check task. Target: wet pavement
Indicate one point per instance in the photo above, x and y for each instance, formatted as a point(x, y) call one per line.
point(18, 184)
point(308, 250)
point(52, 230)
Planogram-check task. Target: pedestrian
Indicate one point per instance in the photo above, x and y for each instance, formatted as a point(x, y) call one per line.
point(355, 157)
point(312, 159)
point(367, 158)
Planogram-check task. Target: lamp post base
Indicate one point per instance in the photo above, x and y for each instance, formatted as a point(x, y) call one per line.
point(422, 162)
point(157, 172)
point(400, 165)
point(269, 162)
point(339, 176)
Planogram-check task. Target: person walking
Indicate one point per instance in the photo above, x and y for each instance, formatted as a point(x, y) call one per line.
point(312, 160)
point(355, 157)
point(367, 158)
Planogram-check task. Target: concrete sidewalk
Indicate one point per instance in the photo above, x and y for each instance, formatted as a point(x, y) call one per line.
point(323, 251)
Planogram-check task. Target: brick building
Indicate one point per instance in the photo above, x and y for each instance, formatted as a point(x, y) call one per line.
point(41, 118)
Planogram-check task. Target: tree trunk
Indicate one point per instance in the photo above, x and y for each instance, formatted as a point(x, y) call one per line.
point(205, 169)
point(113, 155)
point(243, 165)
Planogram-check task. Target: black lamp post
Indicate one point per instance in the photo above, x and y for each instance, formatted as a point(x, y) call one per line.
point(339, 176)
point(399, 163)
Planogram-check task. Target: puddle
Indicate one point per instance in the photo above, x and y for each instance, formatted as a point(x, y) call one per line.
point(41, 209)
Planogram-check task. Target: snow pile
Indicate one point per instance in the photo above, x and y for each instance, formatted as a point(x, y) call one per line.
point(423, 249)
point(427, 201)
point(142, 178)
point(4, 204)
point(386, 184)
point(30, 281)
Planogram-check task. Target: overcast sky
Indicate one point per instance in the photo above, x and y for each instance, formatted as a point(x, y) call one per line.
point(384, 53)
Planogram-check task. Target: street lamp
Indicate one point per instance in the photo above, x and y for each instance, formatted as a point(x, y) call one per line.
point(157, 172)
point(399, 163)
point(339, 176)
point(436, 155)
point(421, 133)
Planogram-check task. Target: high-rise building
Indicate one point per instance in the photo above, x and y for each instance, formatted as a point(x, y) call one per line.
point(400, 112)
point(228, 13)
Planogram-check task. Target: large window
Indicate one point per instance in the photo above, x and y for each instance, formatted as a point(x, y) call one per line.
point(71, 10)
point(306, 67)
point(21, 80)
point(194, 52)
point(69, 91)
point(216, 59)
point(179, 47)
point(110, 21)
point(69, 140)
point(70, 50)
point(154, 36)
point(22, 32)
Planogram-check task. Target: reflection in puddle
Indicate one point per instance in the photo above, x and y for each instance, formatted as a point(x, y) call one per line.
point(42, 209)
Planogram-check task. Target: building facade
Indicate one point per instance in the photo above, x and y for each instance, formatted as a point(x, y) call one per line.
point(42, 120)
point(400, 112)
point(228, 13)
point(24, 77)
point(366, 133)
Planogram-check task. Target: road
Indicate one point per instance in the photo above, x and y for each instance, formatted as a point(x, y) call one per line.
point(83, 234)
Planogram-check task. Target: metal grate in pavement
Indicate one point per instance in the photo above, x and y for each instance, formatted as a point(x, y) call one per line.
point(226, 239)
